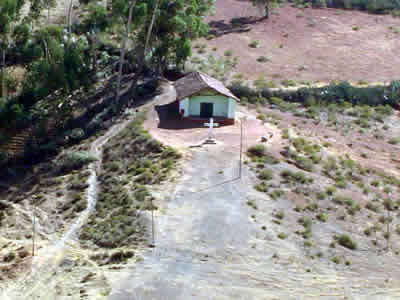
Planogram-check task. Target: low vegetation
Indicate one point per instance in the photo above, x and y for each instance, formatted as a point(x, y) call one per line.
point(132, 161)
point(328, 190)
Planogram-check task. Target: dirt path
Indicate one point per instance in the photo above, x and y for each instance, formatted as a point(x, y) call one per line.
point(48, 259)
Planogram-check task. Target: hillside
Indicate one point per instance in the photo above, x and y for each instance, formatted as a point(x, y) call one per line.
point(308, 45)
point(298, 199)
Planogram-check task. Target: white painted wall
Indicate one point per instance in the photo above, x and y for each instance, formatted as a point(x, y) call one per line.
point(184, 104)
point(232, 108)
point(221, 105)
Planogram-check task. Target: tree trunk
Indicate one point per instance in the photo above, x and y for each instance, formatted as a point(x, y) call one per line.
point(267, 10)
point(3, 79)
point(95, 58)
point(123, 51)
point(69, 16)
point(388, 230)
point(142, 57)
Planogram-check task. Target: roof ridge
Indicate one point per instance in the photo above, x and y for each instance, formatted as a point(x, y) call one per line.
point(199, 76)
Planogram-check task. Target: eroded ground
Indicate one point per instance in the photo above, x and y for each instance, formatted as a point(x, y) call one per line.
point(217, 237)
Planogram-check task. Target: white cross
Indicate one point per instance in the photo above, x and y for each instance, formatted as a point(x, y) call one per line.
point(211, 125)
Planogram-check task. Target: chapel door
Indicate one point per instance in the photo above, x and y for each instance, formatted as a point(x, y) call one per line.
point(206, 110)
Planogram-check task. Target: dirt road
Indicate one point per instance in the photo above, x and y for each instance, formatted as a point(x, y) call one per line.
point(208, 246)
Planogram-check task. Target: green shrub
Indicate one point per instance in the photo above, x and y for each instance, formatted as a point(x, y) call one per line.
point(228, 53)
point(252, 204)
point(296, 177)
point(285, 133)
point(256, 150)
point(321, 195)
point(261, 117)
point(307, 243)
point(394, 141)
point(336, 260)
point(262, 187)
point(72, 161)
point(254, 44)
point(323, 217)
point(342, 200)
point(263, 59)
point(371, 206)
point(282, 236)
point(362, 82)
point(330, 190)
point(341, 183)
point(375, 183)
point(266, 174)
point(276, 194)
point(288, 83)
point(345, 241)
point(280, 215)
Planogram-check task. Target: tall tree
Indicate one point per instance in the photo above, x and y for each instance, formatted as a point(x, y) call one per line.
point(161, 30)
point(177, 25)
point(92, 25)
point(38, 6)
point(263, 5)
point(123, 48)
point(9, 15)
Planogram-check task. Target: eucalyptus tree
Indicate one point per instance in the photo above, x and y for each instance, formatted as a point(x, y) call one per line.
point(263, 5)
point(60, 64)
point(9, 15)
point(161, 32)
point(177, 24)
point(93, 23)
point(131, 7)
point(38, 6)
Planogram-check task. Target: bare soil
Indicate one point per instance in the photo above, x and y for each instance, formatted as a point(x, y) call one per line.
point(311, 44)
point(219, 238)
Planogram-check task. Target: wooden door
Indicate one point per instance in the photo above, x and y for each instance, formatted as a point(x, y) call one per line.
point(206, 110)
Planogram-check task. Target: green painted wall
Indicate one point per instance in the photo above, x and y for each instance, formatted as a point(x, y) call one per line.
point(221, 105)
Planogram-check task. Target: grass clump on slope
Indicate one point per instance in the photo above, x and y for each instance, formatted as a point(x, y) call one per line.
point(132, 161)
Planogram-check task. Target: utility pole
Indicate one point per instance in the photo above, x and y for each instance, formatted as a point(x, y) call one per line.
point(153, 244)
point(241, 148)
point(33, 233)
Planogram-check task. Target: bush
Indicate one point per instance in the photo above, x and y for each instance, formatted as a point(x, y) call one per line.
point(297, 177)
point(263, 59)
point(262, 187)
point(371, 206)
point(265, 174)
point(282, 236)
point(323, 217)
point(394, 141)
point(240, 90)
point(254, 44)
point(280, 215)
point(288, 83)
point(72, 161)
point(336, 260)
point(228, 53)
point(345, 241)
point(9, 257)
point(256, 150)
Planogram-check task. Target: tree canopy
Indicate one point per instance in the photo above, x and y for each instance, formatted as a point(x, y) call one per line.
point(64, 57)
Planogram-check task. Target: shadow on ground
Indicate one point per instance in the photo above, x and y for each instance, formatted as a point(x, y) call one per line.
point(235, 25)
point(169, 118)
